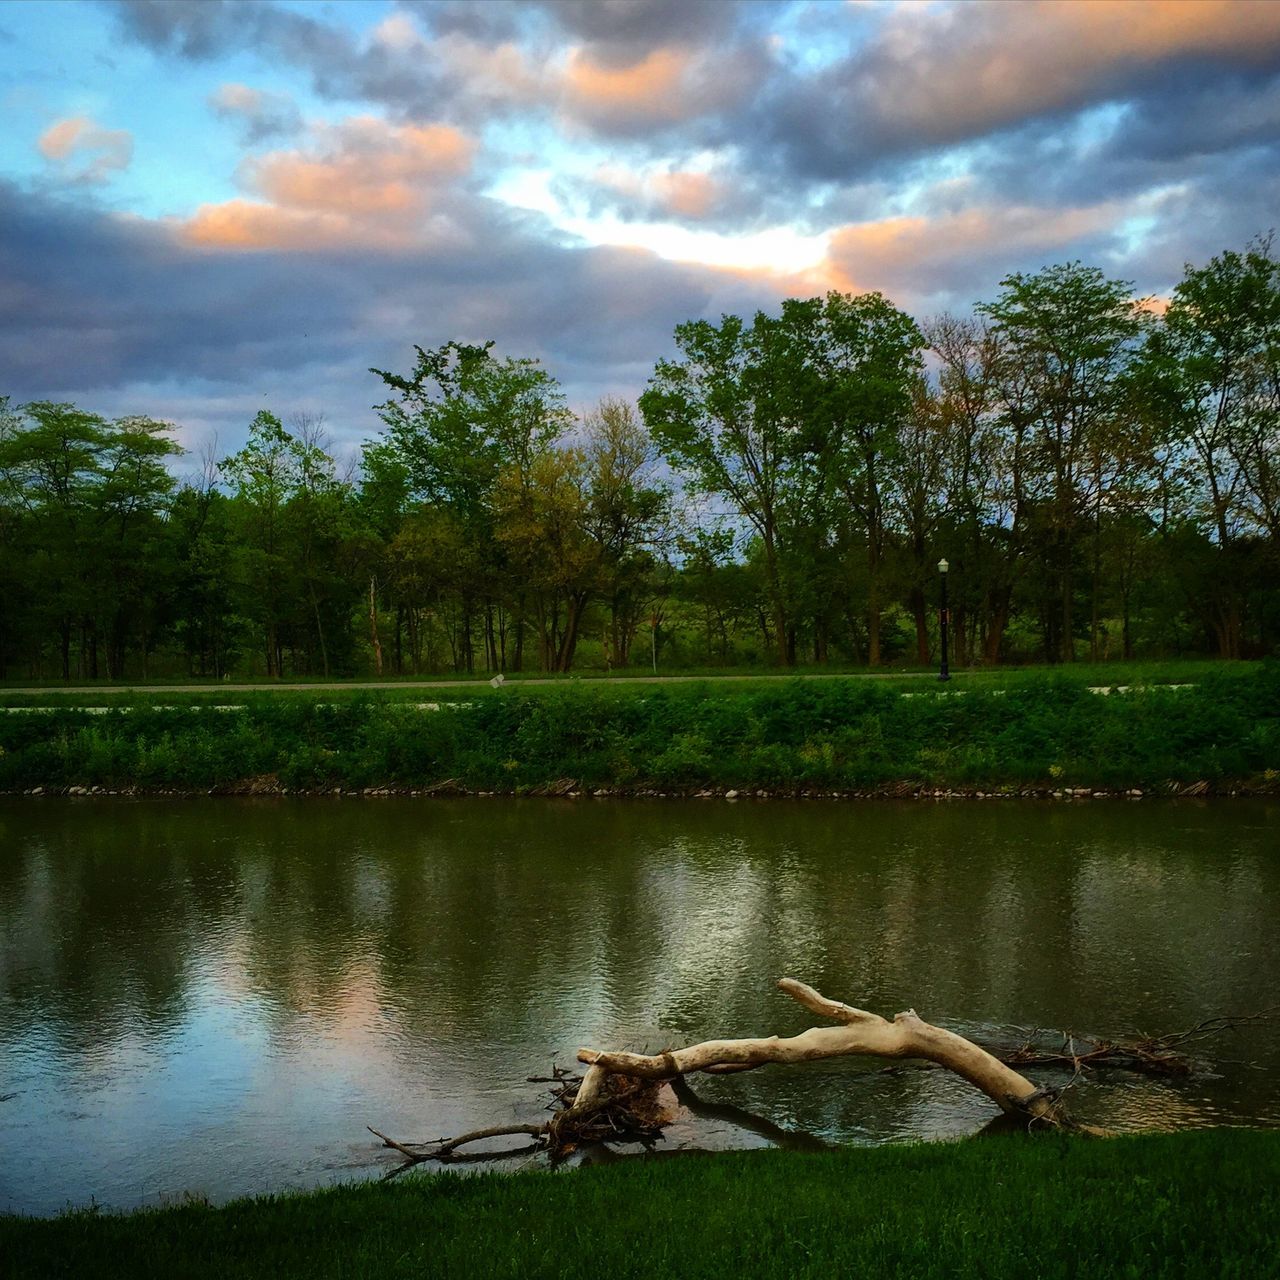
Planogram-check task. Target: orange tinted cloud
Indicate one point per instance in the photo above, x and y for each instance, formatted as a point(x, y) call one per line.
point(368, 167)
point(247, 224)
point(951, 70)
point(1158, 28)
point(689, 195)
point(84, 151)
point(904, 254)
point(364, 182)
point(648, 86)
point(666, 86)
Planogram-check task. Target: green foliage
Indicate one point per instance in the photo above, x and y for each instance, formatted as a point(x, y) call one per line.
point(798, 735)
point(79, 531)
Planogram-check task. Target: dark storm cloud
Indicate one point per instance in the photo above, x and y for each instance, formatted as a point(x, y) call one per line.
point(1217, 133)
point(929, 80)
point(194, 31)
point(94, 304)
point(622, 32)
point(1194, 120)
point(490, 23)
point(1233, 202)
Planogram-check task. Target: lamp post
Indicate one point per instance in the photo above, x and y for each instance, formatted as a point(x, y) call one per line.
point(945, 619)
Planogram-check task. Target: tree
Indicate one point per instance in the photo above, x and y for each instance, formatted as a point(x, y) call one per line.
point(263, 475)
point(917, 495)
point(458, 421)
point(781, 416)
point(1209, 379)
point(984, 524)
point(319, 513)
point(84, 497)
point(1066, 335)
point(860, 360)
point(542, 526)
point(136, 486)
point(627, 514)
point(717, 415)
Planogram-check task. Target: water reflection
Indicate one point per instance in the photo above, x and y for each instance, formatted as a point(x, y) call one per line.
point(217, 996)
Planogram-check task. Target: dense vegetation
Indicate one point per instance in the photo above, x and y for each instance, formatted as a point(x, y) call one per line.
point(1103, 481)
point(793, 735)
point(1186, 1205)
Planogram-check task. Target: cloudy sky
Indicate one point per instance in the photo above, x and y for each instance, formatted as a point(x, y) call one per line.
point(207, 208)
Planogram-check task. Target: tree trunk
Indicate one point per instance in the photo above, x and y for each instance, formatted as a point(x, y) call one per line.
point(997, 620)
point(779, 611)
point(490, 639)
point(569, 641)
point(373, 624)
point(960, 638)
point(922, 626)
point(1067, 638)
point(873, 620)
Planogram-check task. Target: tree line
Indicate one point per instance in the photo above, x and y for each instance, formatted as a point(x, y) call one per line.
point(1102, 476)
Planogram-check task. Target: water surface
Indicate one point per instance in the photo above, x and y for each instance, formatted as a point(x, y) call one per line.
point(214, 997)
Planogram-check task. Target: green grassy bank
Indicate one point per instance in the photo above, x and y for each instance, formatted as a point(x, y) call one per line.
point(795, 736)
point(1187, 1205)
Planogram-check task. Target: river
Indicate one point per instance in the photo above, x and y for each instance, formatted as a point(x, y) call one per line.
point(214, 997)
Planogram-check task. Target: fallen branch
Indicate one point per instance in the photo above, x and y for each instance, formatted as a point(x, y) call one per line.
point(1149, 1055)
point(618, 1097)
point(587, 1108)
point(443, 1148)
point(859, 1033)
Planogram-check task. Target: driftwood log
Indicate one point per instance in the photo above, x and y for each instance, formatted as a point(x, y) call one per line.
point(624, 1096)
point(859, 1033)
point(619, 1094)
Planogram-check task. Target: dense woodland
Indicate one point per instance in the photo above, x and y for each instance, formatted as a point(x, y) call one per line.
point(1103, 479)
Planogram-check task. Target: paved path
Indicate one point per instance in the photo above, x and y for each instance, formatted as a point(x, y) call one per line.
point(512, 683)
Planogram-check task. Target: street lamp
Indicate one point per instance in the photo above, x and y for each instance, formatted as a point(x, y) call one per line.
point(945, 619)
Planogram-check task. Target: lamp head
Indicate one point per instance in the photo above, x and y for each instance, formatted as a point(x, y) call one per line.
point(943, 566)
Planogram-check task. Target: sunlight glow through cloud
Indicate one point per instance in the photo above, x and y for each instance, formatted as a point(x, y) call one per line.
point(783, 249)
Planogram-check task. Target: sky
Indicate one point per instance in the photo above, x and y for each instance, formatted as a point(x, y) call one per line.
point(211, 208)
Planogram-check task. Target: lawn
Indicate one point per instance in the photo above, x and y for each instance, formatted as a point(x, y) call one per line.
point(1198, 1204)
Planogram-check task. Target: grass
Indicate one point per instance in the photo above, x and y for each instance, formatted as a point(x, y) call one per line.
point(1197, 1204)
point(785, 736)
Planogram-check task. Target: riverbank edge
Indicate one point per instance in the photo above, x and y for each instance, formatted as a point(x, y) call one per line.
point(1203, 1202)
point(803, 740)
point(568, 789)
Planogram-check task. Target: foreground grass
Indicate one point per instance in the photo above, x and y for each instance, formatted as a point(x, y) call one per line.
point(798, 735)
point(1188, 1205)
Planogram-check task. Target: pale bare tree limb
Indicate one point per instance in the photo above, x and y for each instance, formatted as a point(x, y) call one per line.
point(860, 1033)
point(618, 1096)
